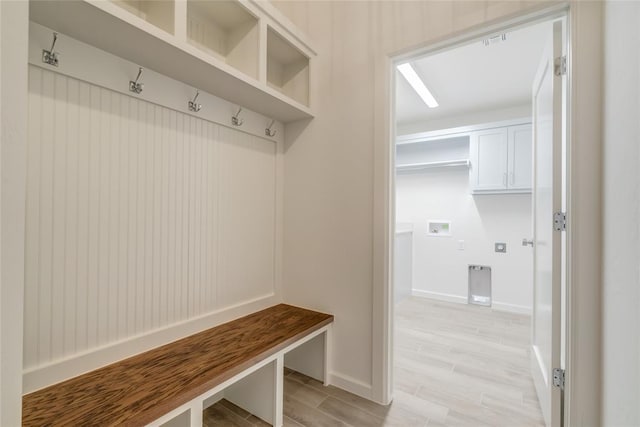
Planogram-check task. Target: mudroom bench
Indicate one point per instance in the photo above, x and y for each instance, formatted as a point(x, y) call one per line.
point(241, 361)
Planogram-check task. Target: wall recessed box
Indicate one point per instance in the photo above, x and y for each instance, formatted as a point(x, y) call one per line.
point(439, 228)
point(287, 68)
point(480, 285)
point(156, 12)
point(227, 30)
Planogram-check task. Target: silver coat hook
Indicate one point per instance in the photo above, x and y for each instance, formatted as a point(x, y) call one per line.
point(236, 120)
point(192, 104)
point(268, 130)
point(49, 56)
point(134, 86)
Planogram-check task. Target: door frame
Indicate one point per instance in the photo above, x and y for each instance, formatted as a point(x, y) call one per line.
point(583, 194)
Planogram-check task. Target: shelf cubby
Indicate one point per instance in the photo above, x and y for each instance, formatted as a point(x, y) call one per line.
point(160, 13)
point(226, 30)
point(287, 68)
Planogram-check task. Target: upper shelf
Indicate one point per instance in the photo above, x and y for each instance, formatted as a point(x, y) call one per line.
point(429, 165)
point(213, 46)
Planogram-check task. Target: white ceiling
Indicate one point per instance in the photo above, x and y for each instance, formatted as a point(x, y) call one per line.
point(474, 77)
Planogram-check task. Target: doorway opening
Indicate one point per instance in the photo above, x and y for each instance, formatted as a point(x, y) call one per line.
point(478, 274)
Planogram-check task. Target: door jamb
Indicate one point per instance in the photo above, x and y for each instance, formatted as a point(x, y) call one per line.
point(562, 10)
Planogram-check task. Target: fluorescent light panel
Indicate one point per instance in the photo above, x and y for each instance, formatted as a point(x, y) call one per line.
point(417, 84)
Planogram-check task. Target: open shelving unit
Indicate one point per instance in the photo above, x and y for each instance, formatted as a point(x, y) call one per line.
point(240, 50)
point(429, 165)
point(287, 68)
point(227, 30)
point(156, 12)
point(434, 153)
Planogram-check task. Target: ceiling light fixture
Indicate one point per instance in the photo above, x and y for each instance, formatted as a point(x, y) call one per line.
point(417, 84)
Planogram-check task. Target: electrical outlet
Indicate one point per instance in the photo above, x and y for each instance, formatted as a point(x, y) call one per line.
point(461, 245)
point(501, 247)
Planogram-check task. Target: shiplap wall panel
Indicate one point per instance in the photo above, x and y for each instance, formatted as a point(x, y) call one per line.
point(243, 193)
point(138, 217)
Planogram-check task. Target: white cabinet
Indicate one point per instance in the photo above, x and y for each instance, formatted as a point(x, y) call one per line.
point(501, 160)
point(488, 152)
point(519, 153)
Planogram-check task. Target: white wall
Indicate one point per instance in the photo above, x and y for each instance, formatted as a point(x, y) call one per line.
point(440, 269)
point(13, 140)
point(621, 287)
point(336, 178)
point(335, 166)
point(476, 118)
point(403, 262)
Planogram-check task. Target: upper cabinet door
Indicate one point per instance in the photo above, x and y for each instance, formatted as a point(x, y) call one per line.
point(488, 152)
point(519, 154)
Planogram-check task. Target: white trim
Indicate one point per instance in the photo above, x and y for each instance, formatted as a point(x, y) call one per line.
point(458, 299)
point(511, 308)
point(14, 16)
point(78, 364)
point(439, 296)
point(351, 385)
point(584, 206)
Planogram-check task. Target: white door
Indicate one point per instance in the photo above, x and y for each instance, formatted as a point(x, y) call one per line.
point(519, 166)
point(547, 198)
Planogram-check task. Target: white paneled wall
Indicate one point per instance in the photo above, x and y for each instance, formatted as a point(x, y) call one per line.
point(138, 217)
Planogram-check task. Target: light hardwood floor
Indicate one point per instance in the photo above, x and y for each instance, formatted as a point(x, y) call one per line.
point(455, 365)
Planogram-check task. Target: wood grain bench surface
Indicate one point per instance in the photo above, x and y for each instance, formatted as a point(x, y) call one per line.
point(140, 389)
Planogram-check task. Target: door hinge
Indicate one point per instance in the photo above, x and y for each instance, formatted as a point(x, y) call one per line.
point(560, 65)
point(560, 221)
point(558, 378)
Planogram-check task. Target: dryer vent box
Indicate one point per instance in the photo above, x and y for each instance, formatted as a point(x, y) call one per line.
point(480, 285)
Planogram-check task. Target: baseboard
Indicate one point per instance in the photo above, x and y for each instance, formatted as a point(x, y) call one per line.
point(351, 385)
point(78, 364)
point(439, 296)
point(495, 305)
point(511, 308)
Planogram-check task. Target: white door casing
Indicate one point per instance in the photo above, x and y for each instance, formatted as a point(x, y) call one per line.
point(547, 199)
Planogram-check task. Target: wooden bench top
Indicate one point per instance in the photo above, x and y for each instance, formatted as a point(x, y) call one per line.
point(142, 388)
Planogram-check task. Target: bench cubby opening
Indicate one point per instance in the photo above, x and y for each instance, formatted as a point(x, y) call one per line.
point(309, 358)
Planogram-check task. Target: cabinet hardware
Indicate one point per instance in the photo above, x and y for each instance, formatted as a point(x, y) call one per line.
point(527, 242)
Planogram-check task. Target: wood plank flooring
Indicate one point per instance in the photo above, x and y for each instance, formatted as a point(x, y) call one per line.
point(455, 365)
